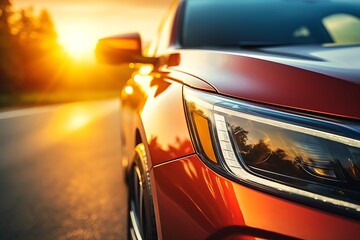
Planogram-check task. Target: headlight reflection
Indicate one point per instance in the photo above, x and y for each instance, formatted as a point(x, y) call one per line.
point(278, 151)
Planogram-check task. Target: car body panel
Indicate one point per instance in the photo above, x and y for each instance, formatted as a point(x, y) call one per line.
point(167, 136)
point(191, 201)
point(216, 203)
point(188, 80)
point(154, 108)
point(309, 85)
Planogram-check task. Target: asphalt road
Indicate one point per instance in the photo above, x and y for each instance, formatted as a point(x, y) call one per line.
point(60, 173)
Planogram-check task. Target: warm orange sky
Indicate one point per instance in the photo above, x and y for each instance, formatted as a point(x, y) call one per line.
point(81, 22)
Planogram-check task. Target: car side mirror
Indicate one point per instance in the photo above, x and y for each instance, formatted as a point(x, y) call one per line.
point(121, 49)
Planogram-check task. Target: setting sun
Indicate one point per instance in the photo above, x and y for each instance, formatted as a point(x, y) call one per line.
point(78, 43)
point(80, 23)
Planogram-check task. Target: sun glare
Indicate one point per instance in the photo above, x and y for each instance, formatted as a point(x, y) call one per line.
point(78, 44)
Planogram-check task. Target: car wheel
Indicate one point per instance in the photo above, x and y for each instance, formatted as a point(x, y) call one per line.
point(141, 217)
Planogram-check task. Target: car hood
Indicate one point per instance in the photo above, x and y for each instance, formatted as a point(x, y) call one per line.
point(316, 78)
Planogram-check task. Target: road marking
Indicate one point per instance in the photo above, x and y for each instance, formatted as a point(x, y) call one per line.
point(24, 112)
point(101, 104)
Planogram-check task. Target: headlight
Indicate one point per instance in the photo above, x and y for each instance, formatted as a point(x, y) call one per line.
point(299, 157)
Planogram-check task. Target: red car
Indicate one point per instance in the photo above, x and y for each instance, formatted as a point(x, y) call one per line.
point(242, 121)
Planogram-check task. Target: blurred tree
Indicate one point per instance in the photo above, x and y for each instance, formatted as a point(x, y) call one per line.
point(24, 27)
point(39, 51)
point(38, 31)
point(10, 76)
point(5, 11)
point(46, 30)
point(50, 57)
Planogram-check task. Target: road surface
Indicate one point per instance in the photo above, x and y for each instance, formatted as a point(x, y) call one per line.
point(60, 173)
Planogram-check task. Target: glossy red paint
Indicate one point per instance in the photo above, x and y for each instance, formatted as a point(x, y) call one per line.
point(194, 202)
point(155, 109)
point(167, 135)
point(189, 80)
point(276, 80)
point(191, 201)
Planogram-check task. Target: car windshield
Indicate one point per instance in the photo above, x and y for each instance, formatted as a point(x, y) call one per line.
point(256, 23)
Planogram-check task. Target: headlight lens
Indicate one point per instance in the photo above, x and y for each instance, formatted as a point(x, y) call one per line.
point(295, 156)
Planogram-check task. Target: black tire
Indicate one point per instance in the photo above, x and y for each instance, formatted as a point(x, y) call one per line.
point(141, 217)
